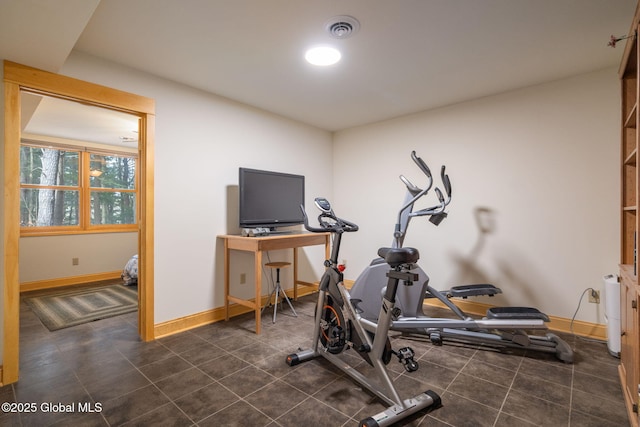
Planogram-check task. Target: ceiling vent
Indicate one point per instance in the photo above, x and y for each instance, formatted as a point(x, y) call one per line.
point(342, 27)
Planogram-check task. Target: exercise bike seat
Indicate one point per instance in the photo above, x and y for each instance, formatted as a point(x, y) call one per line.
point(395, 257)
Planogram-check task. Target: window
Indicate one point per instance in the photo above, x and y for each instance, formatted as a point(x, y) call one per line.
point(69, 190)
point(112, 192)
point(50, 191)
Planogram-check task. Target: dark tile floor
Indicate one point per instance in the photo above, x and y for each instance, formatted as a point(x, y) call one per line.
point(225, 375)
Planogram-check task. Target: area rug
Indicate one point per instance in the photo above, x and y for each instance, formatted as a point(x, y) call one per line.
point(77, 306)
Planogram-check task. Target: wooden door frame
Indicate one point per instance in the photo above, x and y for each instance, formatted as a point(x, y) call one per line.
point(19, 77)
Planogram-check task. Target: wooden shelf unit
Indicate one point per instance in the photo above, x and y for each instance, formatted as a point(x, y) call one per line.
point(629, 368)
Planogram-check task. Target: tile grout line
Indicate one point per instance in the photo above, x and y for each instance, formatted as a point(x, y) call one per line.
point(573, 373)
point(504, 401)
point(154, 385)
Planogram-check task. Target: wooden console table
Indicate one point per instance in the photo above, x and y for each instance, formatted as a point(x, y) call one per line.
point(257, 245)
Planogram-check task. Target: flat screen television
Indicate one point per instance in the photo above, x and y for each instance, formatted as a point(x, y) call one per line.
point(270, 199)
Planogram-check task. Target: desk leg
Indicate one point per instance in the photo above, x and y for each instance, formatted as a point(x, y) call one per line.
point(327, 247)
point(226, 279)
point(295, 274)
point(258, 272)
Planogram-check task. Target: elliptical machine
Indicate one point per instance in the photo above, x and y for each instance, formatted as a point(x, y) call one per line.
point(502, 327)
point(338, 326)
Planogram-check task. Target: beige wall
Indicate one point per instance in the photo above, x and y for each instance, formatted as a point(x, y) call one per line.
point(544, 159)
point(201, 141)
point(49, 257)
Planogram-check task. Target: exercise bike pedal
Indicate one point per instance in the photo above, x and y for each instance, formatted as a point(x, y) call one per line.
point(405, 356)
point(336, 342)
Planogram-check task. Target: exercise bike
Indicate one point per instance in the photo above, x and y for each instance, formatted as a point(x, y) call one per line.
point(339, 327)
point(502, 327)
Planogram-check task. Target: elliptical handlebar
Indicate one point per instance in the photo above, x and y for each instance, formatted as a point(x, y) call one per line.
point(328, 220)
point(436, 212)
point(446, 182)
point(410, 187)
point(417, 193)
point(421, 164)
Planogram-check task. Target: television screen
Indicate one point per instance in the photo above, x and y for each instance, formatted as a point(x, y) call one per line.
point(270, 199)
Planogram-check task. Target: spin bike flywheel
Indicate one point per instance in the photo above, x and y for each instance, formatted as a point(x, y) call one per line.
point(335, 333)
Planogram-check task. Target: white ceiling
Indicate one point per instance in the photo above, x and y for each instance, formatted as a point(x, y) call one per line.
point(77, 123)
point(409, 55)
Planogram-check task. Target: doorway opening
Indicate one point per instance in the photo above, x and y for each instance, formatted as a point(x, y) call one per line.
point(17, 80)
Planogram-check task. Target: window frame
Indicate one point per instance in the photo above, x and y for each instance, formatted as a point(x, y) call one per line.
point(84, 191)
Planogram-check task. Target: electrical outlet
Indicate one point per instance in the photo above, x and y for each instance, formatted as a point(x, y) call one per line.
point(594, 296)
point(243, 278)
point(75, 261)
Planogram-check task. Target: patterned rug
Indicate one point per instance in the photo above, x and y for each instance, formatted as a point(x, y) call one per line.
point(73, 307)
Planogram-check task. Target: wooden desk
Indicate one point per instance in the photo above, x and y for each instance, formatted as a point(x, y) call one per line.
point(257, 245)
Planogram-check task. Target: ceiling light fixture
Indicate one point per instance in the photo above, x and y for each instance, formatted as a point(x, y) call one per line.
point(338, 27)
point(323, 56)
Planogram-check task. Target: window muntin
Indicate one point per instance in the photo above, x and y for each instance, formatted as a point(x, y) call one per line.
point(47, 166)
point(113, 207)
point(74, 191)
point(112, 171)
point(112, 182)
point(46, 207)
point(50, 191)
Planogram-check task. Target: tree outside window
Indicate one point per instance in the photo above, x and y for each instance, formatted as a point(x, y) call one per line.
point(67, 190)
point(113, 185)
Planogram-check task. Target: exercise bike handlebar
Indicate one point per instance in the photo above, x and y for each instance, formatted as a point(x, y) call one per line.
point(335, 225)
